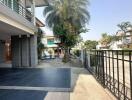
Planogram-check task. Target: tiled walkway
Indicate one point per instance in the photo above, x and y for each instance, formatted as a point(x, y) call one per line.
point(83, 84)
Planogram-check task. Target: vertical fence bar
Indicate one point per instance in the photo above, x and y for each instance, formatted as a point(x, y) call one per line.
point(84, 55)
point(96, 62)
point(113, 71)
point(123, 74)
point(118, 75)
point(99, 66)
point(109, 70)
point(103, 68)
point(106, 66)
point(130, 64)
point(85, 65)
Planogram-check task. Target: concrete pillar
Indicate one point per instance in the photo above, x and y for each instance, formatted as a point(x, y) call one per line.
point(88, 57)
point(16, 51)
point(82, 56)
point(2, 47)
point(33, 50)
point(24, 51)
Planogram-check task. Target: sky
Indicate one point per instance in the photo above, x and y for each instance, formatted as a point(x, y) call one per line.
point(105, 15)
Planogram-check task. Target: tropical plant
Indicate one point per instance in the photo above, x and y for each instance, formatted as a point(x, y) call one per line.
point(73, 11)
point(106, 39)
point(89, 44)
point(39, 43)
point(115, 38)
point(124, 26)
point(67, 18)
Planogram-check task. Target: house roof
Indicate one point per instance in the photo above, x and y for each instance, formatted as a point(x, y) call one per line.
point(120, 33)
point(39, 23)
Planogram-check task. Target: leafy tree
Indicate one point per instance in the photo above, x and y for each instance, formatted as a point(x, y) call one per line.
point(124, 26)
point(106, 39)
point(89, 44)
point(115, 38)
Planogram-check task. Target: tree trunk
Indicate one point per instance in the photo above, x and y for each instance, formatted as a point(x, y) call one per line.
point(66, 56)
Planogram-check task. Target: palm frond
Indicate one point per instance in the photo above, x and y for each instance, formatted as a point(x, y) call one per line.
point(47, 9)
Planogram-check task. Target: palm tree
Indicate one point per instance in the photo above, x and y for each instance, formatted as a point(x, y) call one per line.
point(124, 27)
point(67, 18)
point(106, 39)
point(72, 11)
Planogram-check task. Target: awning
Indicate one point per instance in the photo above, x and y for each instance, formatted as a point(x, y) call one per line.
point(38, 3)
point(39, 23)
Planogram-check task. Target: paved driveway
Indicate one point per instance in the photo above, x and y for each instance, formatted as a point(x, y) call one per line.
point(33, 83)
point(22, 95)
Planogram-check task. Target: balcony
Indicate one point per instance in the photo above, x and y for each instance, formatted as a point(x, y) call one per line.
point(18, 8)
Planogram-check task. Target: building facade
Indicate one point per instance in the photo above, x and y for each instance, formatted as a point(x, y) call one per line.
point(18, 41)
point(52, 46)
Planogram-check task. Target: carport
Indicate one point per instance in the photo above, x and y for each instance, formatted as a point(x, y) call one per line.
point(17, 47)
point(33, 83)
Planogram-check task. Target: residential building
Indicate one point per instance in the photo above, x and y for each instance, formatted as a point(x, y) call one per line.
point(52, 45)
point(124, 41)
point(101, 46)
point(18, 41)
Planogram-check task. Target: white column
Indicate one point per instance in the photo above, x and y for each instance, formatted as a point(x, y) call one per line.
point(33, 50)
point(33, 12)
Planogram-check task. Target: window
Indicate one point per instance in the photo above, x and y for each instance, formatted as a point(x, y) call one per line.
point(50, 41)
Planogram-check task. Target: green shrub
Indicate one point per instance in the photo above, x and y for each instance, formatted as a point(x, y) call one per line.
point(77, 53)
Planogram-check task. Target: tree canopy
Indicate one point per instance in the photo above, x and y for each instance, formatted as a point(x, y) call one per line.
point(124, 26)
point(89, 44)
point(73, 11)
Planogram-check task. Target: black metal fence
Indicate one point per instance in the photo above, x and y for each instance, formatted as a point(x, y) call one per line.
point(113, 69)
point(18, 8)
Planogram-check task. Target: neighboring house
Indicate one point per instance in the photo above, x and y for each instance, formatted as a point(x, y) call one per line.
point(51, 44)
point(116, 45)
point(125, 41)
point(100, 46)
point(18, 28)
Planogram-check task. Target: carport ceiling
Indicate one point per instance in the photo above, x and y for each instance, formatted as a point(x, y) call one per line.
point(7, 30)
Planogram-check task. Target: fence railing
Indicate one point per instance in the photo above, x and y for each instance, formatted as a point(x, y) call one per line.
point(113, 69)
point(18, 8)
